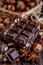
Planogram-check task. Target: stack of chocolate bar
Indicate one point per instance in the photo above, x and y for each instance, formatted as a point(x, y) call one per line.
point(17, 40)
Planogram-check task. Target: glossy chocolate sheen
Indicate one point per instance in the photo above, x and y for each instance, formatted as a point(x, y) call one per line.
point(12, 54)
point(22, 33)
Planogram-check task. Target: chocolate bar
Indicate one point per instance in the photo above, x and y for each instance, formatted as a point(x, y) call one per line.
point(22, 33)
point(12, 55)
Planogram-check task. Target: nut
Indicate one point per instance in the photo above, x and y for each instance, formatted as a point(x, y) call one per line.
point(21, 6)
point(6, 21)
point(37, 47)
point(11, 7)
point(2, 26)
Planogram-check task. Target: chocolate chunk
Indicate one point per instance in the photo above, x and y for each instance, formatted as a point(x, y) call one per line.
point(12, 35)
point(31, 29)
point(22, 39)
point(27, 33)
point(16, 29)
point(12, 55)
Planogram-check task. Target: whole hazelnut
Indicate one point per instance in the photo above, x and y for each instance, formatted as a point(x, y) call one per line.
point(1, 20)
point(21, 6)
point(31, 4)
point(11, 7)
point(37, 47)
point(1, 3)
point(6, 21)
point(2, 26)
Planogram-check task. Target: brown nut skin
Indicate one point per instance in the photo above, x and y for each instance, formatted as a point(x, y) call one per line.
point(2, 26)
point(21, 6)
point(11, 7)
point(1, 20)
point(1, 3)
point(11, 1)
point(6, 21)
point(31, 4)
point(37, 47)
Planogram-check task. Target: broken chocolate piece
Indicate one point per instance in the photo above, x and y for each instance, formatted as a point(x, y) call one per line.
point(12, 55)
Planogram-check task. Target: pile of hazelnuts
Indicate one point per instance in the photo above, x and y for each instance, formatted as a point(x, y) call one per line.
point(4, 23)
point(18, 5)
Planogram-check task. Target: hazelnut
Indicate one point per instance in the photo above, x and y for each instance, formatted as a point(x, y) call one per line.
point(1, 20)
point(1, 3)
point(37, 47)
point(11, 1)
point(31, 4)
point(6, 21)
point(2, 26)
point(21, 6)
point(11, 7)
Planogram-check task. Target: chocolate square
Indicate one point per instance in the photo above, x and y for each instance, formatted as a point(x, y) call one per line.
point(16, 29)
point(31, 29)
point(22, 39)
point(12, 54)
point(21, 24)
point(27, 33)
point(12, 35)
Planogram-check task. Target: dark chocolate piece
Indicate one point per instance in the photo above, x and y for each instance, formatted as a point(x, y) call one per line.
point(17, 29)
point(12, 55)
point(22, 39)
point(31, 29)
